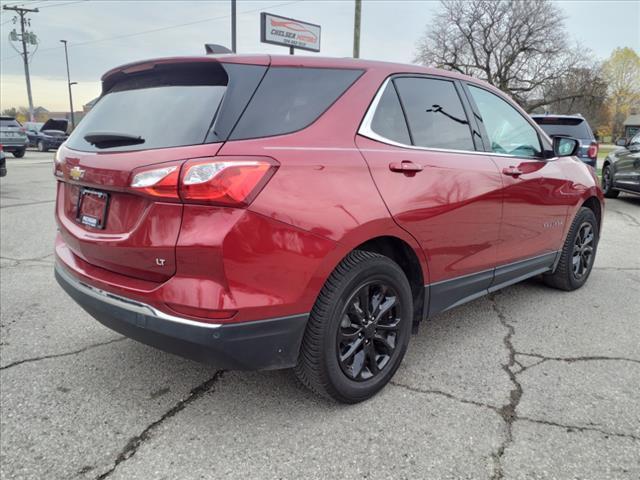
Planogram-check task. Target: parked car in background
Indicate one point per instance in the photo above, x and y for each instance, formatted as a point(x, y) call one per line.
point(621, 168)
point(3, 163)
point(13, 137)
point(48, 135)
point(574, 126)
point(309, 212)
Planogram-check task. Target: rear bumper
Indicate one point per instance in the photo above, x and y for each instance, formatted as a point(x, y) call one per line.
point(256, 345)
point(49, 143)
point(13, 145)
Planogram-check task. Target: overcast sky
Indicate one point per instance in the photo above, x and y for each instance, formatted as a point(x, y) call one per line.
point(103, 34)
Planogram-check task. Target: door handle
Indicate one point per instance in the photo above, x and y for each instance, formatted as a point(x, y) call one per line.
point(405, 166)
point(512, 171)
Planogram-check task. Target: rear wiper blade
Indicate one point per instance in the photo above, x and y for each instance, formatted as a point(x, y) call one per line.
point(112, 139)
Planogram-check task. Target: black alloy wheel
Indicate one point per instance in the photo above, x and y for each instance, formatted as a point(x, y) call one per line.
point(358, 330)
point(368, 331)
point(583, 250)
point(578, 253)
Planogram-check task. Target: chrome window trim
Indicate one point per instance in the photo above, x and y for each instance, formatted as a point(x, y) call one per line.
point(127, 303)
point(366, 131)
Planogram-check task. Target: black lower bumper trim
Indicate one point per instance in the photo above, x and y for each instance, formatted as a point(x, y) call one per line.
point(257, 345)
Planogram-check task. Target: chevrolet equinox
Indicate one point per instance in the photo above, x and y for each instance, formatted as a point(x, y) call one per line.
point(265, 212)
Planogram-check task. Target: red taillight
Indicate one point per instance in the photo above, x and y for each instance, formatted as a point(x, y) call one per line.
point(228, 181)
point(157, 181)
point(593, 150)
point(57, 163)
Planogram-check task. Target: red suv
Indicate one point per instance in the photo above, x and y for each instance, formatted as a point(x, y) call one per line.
point(264, 212)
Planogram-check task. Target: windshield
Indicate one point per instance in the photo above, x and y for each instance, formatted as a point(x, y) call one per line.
point(36, 126)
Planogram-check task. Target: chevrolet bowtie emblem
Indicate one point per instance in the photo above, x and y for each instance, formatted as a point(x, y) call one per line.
point(76, 173)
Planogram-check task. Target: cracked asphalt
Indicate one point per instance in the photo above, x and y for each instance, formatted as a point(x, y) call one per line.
point(527, 383)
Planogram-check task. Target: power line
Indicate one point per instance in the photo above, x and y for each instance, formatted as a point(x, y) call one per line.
point(47, 5)
point(154, 30)
point(61, 4)
point(25, 38)
point(25, 3)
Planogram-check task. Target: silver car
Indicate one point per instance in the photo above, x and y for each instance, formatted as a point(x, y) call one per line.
point(13, 137)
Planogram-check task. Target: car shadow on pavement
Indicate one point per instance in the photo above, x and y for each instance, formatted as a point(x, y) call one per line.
point(628, 198)
point(438, 345)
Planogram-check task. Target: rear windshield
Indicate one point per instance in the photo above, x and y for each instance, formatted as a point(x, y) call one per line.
point(291, 98)
point(569, 127)
point(4, 122)
point(166, 109)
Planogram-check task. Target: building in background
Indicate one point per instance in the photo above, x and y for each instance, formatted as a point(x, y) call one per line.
point(632, 124)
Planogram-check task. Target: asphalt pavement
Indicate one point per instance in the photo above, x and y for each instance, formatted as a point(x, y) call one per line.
point(527, 383)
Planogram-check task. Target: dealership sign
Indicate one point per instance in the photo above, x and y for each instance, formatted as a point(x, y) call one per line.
point(289, 32)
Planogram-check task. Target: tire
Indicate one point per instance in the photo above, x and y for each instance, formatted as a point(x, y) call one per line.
point(607, 183)
point(42, 147)
point(19, 153)
point(325, 365)
point(566, 277)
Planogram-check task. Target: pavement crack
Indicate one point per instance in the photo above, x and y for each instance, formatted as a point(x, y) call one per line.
point(26, 204)
point(446, 395)
point(508, 410)
point(58, 355)
point(20, 261)
point(586, 358)
point(579, 428)
point(136, 442)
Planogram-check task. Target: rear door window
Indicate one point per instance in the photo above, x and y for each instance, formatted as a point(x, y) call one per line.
point(434, 113)
point(167, 109)
point(290, 99)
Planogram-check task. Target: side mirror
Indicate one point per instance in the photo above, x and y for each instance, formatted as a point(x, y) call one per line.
point(621, 142)
point(565, 146)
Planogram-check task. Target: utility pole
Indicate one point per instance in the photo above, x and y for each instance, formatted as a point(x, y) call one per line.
point(25, 54)
point(233, 26)
point(66, 56)
point(356, 29)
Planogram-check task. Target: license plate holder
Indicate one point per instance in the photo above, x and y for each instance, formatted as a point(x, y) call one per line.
point(92, 208)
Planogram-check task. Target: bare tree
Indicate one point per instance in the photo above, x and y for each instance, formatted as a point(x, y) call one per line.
point(518, 46)
point(590, 83)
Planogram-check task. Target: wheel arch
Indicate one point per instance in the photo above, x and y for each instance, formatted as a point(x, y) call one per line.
point(405, 256)
point(593, 204)
point(385, 237)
